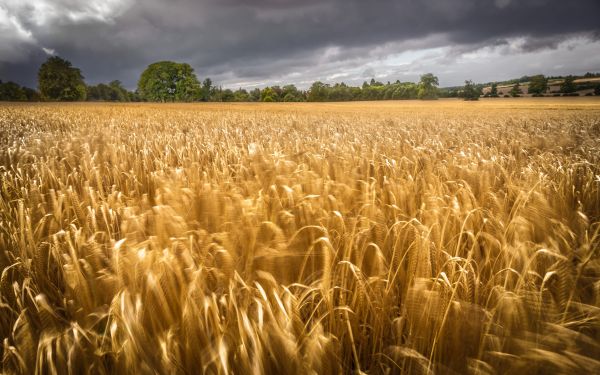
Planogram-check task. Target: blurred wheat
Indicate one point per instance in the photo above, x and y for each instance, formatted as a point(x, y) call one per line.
point(299, 239)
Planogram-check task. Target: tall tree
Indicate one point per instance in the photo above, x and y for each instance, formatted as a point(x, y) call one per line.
point(31, 94)
point(537, 84)
point(267, 95)
point(119, 93)
point(516, 90)
point(227, 95)
point(494, 90)
point(12, 92)
point(318, 92)
point(206, 90)
point(113, 92)
point(59, 80)
point(568, 86)
point(290, 93)
point(166, 81)
point(254, 95)
point(241, 95)
point(470, 92)
point(428, 86)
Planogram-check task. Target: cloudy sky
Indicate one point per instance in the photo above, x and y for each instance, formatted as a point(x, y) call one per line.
point(251, 43)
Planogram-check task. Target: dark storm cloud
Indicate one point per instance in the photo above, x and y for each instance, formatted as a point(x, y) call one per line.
point(260, 40)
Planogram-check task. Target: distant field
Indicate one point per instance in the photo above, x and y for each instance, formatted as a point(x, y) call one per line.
point(553, 87)
point(384, 237)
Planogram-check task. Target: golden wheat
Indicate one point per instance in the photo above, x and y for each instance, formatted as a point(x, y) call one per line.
point(383, 238)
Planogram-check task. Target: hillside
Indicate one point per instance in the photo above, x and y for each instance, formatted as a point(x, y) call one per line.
point(585, 85)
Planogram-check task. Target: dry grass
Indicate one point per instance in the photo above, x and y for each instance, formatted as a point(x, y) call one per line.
point(381, 238)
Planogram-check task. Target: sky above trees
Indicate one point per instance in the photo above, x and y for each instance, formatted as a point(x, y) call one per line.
point(267, 42)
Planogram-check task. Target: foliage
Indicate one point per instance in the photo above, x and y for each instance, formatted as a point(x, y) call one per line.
point(10, 91)
point(58, 80)
point(188, 89)
point(290, 93)
point(538, 85)
point(113, 92)
point(168, 81)
point(516, 90)
point(206, 90)
point(227, 95)
point(254, 95)
point(31, 94)
point(470, 91)
point(428, 87)
point(568, 86)
point(267, 95)
point(318, 92)
point(241, 95)
point(494, 90)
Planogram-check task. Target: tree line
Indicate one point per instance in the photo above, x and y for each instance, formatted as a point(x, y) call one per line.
point(168, 81)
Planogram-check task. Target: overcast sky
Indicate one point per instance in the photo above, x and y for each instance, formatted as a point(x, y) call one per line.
point(252, 43)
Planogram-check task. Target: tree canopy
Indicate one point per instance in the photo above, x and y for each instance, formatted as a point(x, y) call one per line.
point(494, 90)
point(318, 92)
point(568, 86)
point(59, 80)
point(169, 81)
point(11, 91)
point(470, 91)
point(113, 92)
point(537, 84)
point(428, 87)
point(166, 81)
point(516, 90)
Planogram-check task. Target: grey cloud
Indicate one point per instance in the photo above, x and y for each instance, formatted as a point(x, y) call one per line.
point(260, 40)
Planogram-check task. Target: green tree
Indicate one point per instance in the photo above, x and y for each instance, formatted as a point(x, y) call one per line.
point(12, 92)
point(597, 90)
point(291, 94)
point(206, 90)
point(59, 80)
point(470, 91)
point(428, 86)
point(267, 95)
point(227, 95)
point(568, 86)
point(516, 90)
point(118, 92)
point(99, 92)
point(216, 94)
point(494, 90)
point(318, 92)
point(241, 95)
point(277, 93)
point(340, 92)
point(254, 95)
point(375, 83)
point(537, 84)
point(31, 94)
point(113, 92)
point(169, 81)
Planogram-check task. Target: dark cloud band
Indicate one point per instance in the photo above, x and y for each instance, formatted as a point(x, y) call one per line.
point(262, 39)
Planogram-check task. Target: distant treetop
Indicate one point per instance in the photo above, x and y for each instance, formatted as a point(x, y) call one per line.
point(168, 81)
point(59, 80)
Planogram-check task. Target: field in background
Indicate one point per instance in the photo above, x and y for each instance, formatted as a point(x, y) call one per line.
point(383, 237)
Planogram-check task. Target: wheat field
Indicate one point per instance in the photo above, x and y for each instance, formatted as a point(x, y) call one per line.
point(380, 238)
